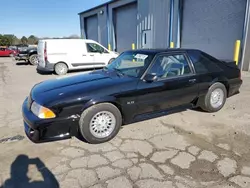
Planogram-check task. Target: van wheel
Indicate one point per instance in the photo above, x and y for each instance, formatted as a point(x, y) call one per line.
point(61, 69)
point(215, 98)
point(111, 60)
point(33, 59)
point(100, 123)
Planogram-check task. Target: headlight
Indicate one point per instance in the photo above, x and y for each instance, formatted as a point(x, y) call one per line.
point(42, 112)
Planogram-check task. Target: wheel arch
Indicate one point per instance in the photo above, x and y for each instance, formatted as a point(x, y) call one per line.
point(222, 80)
point(61, 62)
point(32, 53)
point(109, 99)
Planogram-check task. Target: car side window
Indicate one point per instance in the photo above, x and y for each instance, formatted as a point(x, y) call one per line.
point(202, 64)
point(95, 48)
point(166, 66)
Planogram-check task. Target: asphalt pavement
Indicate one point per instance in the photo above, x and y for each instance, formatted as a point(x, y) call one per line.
point(189, 149)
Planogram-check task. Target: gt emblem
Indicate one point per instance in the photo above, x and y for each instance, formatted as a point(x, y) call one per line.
point(131, 102)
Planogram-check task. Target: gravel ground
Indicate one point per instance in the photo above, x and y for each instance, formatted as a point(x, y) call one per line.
point(186, 149)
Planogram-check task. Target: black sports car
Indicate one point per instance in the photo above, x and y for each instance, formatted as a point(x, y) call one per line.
point(137, 84)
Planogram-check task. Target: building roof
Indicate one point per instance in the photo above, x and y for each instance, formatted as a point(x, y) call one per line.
point(96, 7)
point(156, 51)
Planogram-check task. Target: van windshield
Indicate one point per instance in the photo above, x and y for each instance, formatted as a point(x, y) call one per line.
point(131, 64)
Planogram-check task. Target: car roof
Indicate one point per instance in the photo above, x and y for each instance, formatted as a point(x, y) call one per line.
point(157, 51)
point(87, 40)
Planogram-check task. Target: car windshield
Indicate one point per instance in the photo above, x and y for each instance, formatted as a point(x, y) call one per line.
point(131, 64)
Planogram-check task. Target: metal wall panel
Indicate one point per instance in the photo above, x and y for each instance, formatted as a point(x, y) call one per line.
point(153, 17)
point(212, 25)
point(125, 22)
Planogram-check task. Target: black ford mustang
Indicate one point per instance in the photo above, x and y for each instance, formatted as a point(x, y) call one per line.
point(138, 83)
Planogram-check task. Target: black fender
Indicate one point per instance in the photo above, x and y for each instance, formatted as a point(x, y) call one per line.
point(106, 99)
point(223, 80)
point(32, 52)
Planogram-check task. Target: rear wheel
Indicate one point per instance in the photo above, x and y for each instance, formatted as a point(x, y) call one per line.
point(33, 59)
point(61, 69)
point(100, 123)
point(215, 98)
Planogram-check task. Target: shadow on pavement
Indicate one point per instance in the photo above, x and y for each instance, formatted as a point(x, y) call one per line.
point(22, 63)
point(19, 178)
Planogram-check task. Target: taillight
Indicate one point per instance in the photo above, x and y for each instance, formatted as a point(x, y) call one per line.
point(45, 52)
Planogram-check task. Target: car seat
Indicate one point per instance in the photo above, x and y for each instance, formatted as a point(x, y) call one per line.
point(171, 67)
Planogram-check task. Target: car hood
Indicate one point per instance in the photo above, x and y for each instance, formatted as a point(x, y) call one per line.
point(89, 84)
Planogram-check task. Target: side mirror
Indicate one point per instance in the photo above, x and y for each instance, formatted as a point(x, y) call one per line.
point(150, 77)
point(101, 51)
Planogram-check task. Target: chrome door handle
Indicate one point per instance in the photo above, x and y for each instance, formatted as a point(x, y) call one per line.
point(192, 80)
point(91, 55)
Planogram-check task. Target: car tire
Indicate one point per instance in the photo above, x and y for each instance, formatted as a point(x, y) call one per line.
point(215, 98)
point(91, 119)
point(111, 60)
point(61, 68)
point(33, 59)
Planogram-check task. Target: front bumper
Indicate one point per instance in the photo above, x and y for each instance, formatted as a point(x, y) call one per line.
point(19, 57)
point(47, 130)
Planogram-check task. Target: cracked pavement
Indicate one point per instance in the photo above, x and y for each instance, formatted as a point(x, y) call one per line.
point(182, 150)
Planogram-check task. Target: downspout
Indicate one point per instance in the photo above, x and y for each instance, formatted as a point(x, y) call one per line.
point(178, 42)
point(108, 28)
point(244, 35)
point(171, 22)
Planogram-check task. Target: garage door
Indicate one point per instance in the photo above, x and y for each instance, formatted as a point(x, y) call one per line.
point(91, 27)
point(213, 26)
point(125, 24)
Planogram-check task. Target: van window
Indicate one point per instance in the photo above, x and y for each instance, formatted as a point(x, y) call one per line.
point(95, 48)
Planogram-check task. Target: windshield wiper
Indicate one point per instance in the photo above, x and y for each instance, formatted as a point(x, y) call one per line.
point(119, 72)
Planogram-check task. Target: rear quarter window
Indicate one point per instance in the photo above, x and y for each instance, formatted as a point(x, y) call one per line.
point(203, 64)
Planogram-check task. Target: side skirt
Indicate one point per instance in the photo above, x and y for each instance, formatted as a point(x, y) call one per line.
point(161, 113)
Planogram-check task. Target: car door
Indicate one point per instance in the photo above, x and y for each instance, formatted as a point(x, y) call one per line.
point(175, 84)
point(101, 55)
point(1, 52)
point(80, 58)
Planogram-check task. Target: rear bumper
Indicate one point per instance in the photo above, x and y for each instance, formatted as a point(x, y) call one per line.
point(48, 68)
point(234, 87)
point(46, 130)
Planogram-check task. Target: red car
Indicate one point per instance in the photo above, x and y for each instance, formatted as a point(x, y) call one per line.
point(6, 52)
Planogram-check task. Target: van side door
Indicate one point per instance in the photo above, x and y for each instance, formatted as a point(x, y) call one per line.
point(80, 58)
point(101, 55)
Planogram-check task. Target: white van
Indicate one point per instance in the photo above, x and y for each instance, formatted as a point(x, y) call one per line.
point(61, 55)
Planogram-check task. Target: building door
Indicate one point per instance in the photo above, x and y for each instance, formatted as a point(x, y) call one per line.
point(125, 24)
point(91, 27)
point(212, 26)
